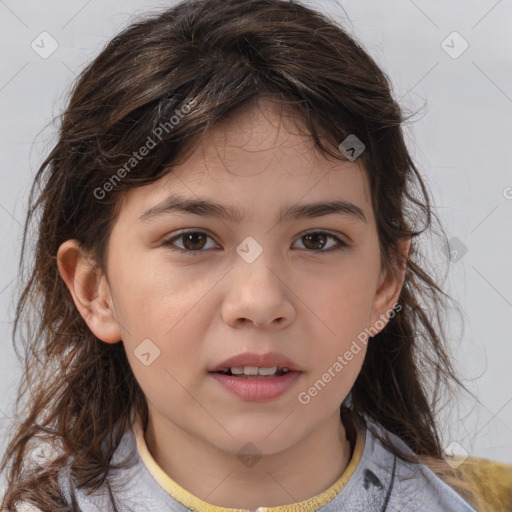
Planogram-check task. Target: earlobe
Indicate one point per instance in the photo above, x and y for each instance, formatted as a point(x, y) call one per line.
point(90, 291)
point(389, 287)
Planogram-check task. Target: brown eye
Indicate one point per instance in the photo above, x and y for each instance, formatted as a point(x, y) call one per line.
point(316, 241)
point(193, 241)
point(189, 242)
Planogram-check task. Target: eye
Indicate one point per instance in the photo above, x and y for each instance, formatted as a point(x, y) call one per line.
point(314, 239)
point(193, 242)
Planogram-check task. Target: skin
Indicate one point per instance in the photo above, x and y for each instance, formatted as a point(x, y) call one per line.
point(297, 298)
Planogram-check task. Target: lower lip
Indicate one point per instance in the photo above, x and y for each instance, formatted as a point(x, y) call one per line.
point(258, 390)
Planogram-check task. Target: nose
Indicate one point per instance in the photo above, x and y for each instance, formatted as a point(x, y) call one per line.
point(258, 295)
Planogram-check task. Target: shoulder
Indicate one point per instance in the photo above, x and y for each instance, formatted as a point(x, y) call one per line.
point(490, 481)
point(385, 478)
point(477, 483)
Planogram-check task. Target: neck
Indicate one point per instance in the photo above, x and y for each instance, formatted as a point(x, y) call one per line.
point(216, 476)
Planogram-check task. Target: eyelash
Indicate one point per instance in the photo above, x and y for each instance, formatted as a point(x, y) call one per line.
point(169, 243)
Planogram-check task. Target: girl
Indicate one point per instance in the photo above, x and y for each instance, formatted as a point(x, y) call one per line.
point(231, 313)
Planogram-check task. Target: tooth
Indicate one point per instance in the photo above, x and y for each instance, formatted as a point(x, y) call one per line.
point(254, 371)
point(268, 371)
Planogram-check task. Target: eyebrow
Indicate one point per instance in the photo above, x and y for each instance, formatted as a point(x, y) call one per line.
point(209, 209)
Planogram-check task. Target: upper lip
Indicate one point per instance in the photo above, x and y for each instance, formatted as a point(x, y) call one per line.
point(267, 360)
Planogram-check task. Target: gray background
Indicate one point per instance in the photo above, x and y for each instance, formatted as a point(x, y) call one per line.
point(460, 139)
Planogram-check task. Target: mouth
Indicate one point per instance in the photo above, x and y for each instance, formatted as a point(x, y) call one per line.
point(253, 372)
point(256, 365)
point(257, 384)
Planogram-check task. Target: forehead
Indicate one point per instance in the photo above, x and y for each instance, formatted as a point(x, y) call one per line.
point(266, 135)
point(260, 157)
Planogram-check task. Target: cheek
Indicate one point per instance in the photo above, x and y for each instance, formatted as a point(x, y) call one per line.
point(175, 335)
point(167, 307)
point(342, 308)
point(155, 296)
point(331, 381)
point(343, 298)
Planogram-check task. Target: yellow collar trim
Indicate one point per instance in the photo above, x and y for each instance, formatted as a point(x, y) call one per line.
point(189, 500)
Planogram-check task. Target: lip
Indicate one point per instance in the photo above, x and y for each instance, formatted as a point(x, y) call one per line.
point(267, 360)
point(258, 390)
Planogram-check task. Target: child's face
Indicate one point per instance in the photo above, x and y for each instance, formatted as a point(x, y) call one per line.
point(200, 308)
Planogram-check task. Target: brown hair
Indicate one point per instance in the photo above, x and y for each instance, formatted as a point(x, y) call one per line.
point(79, 392)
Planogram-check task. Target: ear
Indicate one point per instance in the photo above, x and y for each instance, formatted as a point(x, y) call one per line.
point(389, 288)
point(90, 291)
